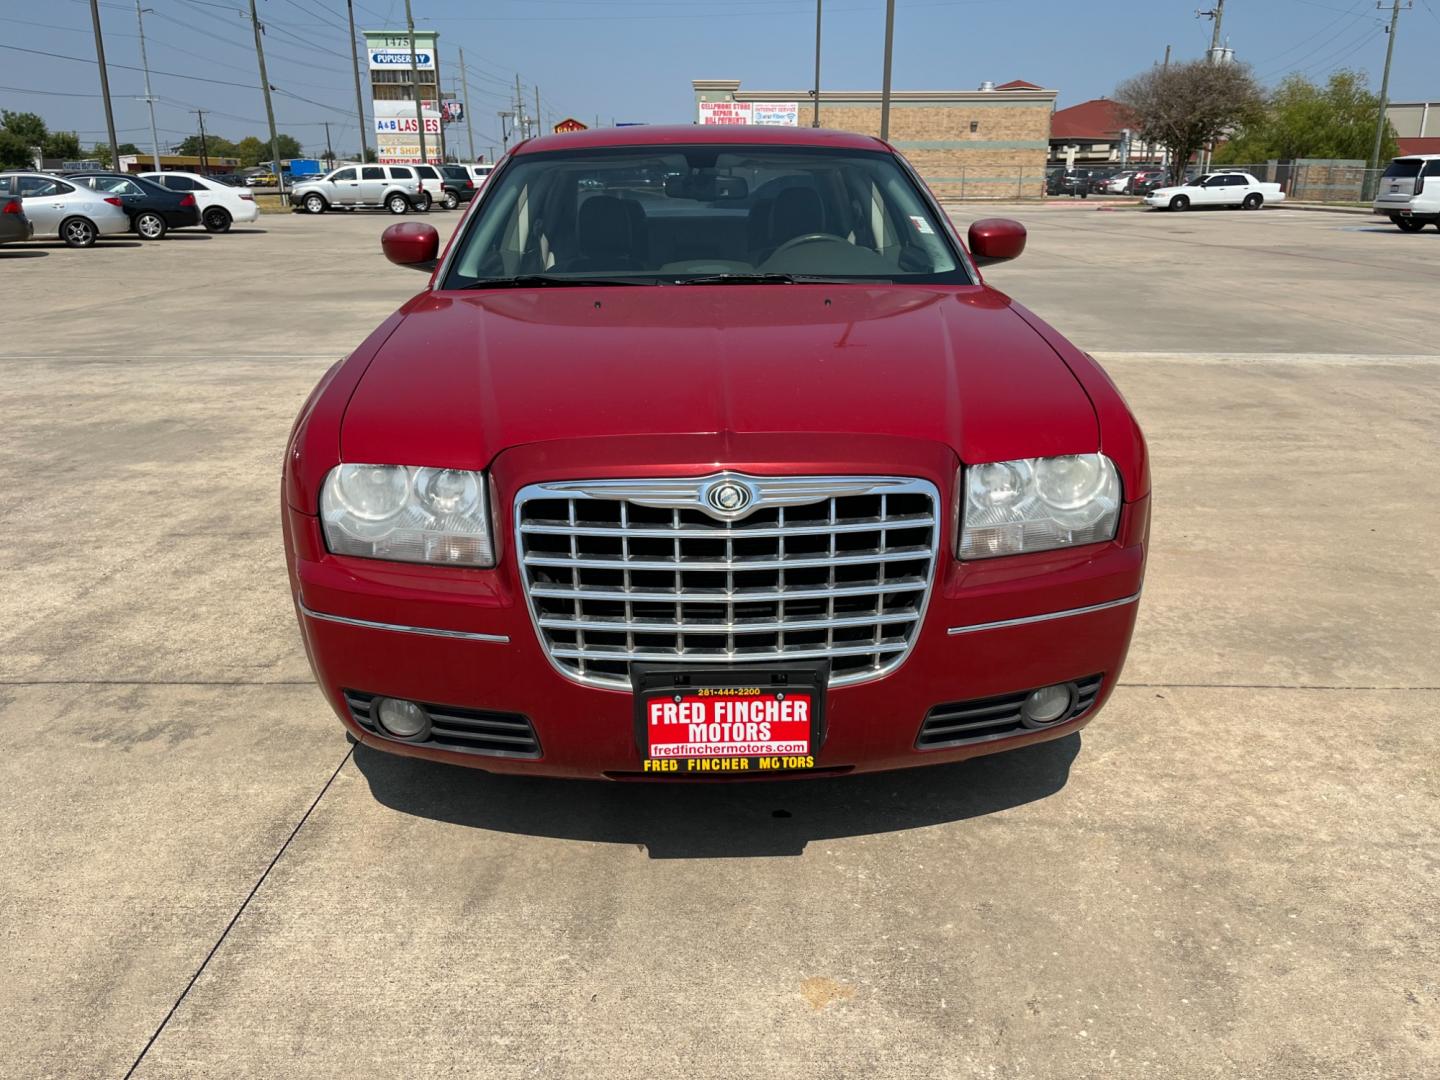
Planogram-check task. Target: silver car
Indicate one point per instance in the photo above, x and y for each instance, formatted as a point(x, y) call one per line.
point(60, 209)
point(395, 187)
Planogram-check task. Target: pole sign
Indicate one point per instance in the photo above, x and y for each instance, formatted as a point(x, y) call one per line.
point(397, 129)
point(570, 124)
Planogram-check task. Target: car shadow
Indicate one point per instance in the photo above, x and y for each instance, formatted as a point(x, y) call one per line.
point(8, 253)
point(723, 819)
point(232, 231)
point(174, 235)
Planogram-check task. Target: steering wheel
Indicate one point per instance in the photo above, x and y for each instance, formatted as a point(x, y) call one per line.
point(806, 238)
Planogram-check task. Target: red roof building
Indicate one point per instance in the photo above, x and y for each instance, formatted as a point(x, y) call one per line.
point(1428, 145)
point(1096, 130)
point(1018, 84)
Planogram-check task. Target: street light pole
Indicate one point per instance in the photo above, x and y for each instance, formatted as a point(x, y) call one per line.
point(885, 88)
point(149, 100)
point(465, 101)
point(815, 122)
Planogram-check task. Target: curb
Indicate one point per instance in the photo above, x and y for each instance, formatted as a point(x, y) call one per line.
point(1321, 208)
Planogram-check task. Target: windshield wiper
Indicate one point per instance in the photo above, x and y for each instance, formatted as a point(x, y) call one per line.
point(530, 281)
point(769, 279)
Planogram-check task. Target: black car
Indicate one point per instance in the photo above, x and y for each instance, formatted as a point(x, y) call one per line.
point(153, 210)
point(457, 184)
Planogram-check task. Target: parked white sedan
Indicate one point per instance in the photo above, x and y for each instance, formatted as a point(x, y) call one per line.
point(220, 204)
point(1217, 189)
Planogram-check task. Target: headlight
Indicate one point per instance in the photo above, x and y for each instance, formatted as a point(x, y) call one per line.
point(1035, 504)
point(407, 514)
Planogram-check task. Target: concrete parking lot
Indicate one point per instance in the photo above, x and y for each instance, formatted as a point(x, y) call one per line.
point(1232, 873)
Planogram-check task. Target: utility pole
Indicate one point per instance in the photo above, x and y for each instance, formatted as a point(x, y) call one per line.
point(414, 82)
point(355, 66)
point(885, 87)
point(815, 121)
point(1380, 121)
point(1166, 65)
point(1216, 15)
point(149, 100)
point(537, 110)
point(504, 129)
point(465, 101)
point(204, 148)
point(329, 150)
point(105, 85)
point(269, 108)
point(521, 127)
point(440, 104)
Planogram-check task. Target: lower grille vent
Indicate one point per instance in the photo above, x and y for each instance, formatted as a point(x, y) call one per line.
point(986, 719)
point(470, 731)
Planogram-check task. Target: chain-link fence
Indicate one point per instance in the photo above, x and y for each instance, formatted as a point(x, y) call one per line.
point(1302, 181)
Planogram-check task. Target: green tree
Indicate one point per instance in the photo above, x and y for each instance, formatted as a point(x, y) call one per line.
point(101, 152)
point(214, 146)
point(14, 151)
point(251, 151)
point(63, 144)
point(1186, 106)
point(25, 125)
point(1301, 119)
point(289, 146)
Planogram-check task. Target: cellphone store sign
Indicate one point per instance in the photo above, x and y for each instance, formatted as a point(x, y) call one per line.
point(765, 114)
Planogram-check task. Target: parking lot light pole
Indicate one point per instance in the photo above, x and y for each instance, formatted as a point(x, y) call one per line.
point(815, 122)
point(885, 86)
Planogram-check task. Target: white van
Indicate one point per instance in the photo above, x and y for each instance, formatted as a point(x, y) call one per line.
point(1409, 192)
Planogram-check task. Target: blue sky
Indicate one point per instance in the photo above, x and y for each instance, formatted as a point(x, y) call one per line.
point(633, 59)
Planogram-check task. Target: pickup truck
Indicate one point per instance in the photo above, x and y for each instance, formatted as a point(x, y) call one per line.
point(1217, 189)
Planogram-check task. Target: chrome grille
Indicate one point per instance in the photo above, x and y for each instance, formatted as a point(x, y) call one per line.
point(834, 568)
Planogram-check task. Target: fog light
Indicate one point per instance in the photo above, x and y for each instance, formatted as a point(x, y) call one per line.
point(1047, 705)
point(402, 719)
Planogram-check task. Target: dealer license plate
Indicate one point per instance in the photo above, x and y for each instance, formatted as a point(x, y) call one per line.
point(732, 720)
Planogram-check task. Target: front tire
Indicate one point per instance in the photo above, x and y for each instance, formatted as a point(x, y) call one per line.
point(150, 226)
point(217, 220)
point(1253, 201)
point(398, 204)
point(314, 204)
point(1180, 202)
point(1409, 224)
point(451, 200)
point(78, 233)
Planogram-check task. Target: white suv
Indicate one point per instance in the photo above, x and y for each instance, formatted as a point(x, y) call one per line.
point(1409, 192)
point(393, 187)
point(220, 204)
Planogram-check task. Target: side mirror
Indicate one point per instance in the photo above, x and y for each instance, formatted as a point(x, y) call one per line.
point(993, 240)
point(411, 244)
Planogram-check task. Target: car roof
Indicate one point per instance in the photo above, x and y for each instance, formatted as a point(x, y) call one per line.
point(693, 134)
point(1416, 157)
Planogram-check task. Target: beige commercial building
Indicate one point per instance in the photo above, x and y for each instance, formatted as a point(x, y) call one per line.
point(986, 143)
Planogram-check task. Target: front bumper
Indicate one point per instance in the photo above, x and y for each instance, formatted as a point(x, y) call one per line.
point(464, 638)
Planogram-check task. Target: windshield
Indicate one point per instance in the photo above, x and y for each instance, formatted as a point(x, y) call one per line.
point(668, 214)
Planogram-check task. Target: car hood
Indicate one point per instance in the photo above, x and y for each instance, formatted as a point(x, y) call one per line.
point(1173, 189)
point(466, 375)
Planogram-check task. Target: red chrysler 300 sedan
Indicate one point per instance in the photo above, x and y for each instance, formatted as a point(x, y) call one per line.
point(707, 453)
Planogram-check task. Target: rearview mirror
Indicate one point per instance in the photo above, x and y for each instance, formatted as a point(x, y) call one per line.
point(411, 244)
point(706, 188)
point(994, 240)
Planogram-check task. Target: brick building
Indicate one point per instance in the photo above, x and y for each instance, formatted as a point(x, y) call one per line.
point(986, 143)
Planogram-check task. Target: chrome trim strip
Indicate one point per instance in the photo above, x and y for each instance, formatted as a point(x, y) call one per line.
point(977, 627)
point(463, 635)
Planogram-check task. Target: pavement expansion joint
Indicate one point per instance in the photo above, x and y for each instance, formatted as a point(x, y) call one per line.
point(349, 750)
